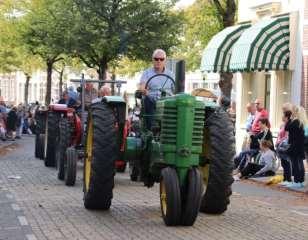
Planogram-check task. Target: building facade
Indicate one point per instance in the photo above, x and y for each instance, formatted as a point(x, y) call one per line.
point(12, 87)
point(266, 53)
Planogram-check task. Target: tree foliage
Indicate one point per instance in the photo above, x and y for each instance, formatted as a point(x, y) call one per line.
point(200, 25)
point(111, 29)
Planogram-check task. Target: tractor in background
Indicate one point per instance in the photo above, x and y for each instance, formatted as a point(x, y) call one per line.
point(190, 146)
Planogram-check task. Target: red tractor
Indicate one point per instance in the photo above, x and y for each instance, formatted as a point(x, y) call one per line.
point(61, 140)
point(64, 138)
point(68, 143)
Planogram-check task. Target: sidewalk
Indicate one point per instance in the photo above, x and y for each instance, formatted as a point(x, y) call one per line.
point(264, 180)
point(7, 146)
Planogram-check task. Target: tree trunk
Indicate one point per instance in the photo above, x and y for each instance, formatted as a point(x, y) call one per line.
point(225, 84)
point(113, 77)
point(227, 14)
point(102, 70)
point(28, 77)
point(49, 64)
point(60, 82)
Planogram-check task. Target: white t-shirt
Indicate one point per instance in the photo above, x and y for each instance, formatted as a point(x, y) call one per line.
point(158, 83)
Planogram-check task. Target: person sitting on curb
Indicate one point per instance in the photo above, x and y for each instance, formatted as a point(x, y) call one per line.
point(266, 165)
point(240, 161)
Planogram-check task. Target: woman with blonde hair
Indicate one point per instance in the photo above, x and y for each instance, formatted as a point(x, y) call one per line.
point(302, 117)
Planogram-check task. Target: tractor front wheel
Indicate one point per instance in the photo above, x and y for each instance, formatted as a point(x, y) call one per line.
point(70, 167)
point(170, 197)
point(100, 155)
point(192, 197)
point(62, 145)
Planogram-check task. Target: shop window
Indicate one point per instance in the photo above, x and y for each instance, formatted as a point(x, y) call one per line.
point(195, 85)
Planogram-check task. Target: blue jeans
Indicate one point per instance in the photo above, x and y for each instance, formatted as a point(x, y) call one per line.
point(241, 160)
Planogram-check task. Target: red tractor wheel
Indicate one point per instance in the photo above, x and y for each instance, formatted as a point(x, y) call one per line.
point(70, 169)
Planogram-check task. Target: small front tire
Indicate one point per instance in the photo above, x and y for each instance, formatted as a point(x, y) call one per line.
point(70, 168)
point(170, 197)
point(192, 197)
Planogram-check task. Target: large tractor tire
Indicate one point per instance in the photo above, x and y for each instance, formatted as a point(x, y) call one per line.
point(191, 199)
point(170, 197)
point(51, 137)
point(70, 168)
point(36, 146)
point(100, 155)
point(62, 145)
point(217, 175)
point(40, 146)
point(39, 129)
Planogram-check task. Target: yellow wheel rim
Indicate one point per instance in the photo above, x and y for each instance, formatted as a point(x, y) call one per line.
point(89, 151)
point(163, 197)
point(206, 150)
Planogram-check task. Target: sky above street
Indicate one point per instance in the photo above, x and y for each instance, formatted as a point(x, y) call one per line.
point(184, 3)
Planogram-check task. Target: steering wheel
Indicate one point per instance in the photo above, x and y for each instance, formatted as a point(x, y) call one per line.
point(162, 89)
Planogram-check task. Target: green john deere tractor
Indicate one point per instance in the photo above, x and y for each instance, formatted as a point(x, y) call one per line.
point(188, 151)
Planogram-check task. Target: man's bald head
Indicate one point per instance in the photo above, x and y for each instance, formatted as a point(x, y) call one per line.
point(251, 108)
point(104, 91)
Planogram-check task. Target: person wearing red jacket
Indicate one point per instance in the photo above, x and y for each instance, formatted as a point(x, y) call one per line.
point(261, 113)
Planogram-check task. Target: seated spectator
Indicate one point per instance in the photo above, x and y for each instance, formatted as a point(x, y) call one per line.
point(70, 102)
point(266, 165)
point(241, 160)
point(102, 92)
point(72, 93)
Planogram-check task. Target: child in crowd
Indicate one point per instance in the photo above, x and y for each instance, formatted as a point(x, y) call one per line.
point(266, 165)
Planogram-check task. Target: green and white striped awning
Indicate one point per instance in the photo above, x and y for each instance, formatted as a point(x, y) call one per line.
point(264, 46)
point(216, 56)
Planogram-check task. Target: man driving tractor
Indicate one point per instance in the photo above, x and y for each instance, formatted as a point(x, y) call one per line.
point(153, 91)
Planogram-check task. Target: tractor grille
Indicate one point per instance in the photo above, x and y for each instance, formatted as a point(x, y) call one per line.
point(169, 125)
point(198, 127)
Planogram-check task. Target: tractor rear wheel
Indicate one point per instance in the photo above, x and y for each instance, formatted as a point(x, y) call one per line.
point(39, 129)
point(36, 146)
point(217, 175)
point(51, 135)
point(170, 197)
point(100, 155)
point(62, 145)
point(70, 167)
point(40, 146)
point(192, 197)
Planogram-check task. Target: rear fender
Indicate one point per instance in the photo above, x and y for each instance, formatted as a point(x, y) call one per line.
point(118, 104)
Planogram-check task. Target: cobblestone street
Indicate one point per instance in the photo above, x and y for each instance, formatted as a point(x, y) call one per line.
point(35, 205)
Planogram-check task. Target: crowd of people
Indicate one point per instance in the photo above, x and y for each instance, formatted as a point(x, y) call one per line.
point(259, 155)
point(16, 120)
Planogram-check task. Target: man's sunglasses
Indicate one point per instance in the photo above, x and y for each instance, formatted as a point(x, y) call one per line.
point(159, 59)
